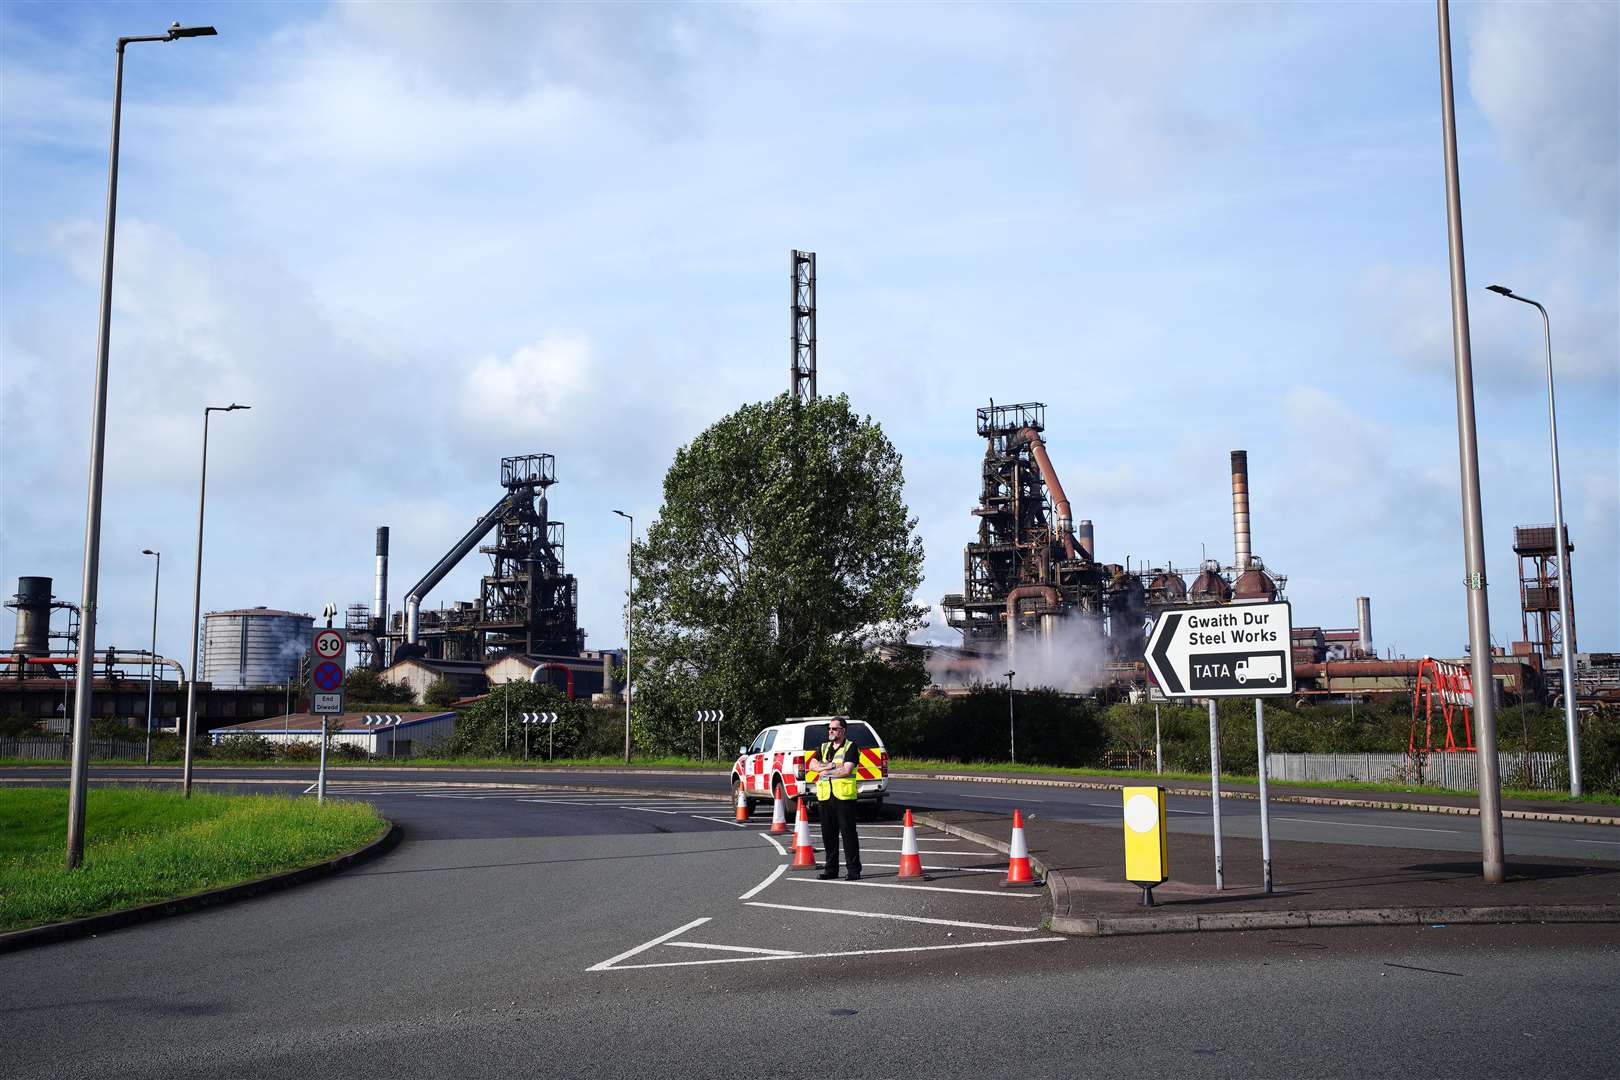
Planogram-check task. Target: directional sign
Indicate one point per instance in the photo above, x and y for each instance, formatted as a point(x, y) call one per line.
point(1229, 650)
point(538, 717)
point(328, 644)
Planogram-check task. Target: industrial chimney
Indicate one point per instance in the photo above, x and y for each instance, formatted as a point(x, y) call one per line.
point(1240, 510)
point(33, 604)
point(1364, 625)
point(379, 607)
point(1086, 539)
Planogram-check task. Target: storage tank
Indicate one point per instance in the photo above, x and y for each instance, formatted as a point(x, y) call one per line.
point(253, 647)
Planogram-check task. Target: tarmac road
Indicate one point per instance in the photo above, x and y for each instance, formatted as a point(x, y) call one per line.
point(570, 934)
point(1239, 817)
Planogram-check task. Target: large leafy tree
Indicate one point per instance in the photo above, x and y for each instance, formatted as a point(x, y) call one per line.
point(783, 551)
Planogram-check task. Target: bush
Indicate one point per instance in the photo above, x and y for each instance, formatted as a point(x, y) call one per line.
point(368, 691)
point(440, 693)
point(244, 748)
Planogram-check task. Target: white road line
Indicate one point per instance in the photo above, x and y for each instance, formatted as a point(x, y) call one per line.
point(936, 866)
point(311, 789)
point(924, 851)
point(1361, 825)
point(827, 955)
point(732, 948)
point(899, 918)
point(762, 886)
point(659, 940)
point(650, 810)
point(927, 888)
point(1001, 798)
point(721, 820)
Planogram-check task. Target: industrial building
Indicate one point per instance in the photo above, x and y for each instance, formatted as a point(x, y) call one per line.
point(1033, 568)
point(254, 647)
point(380, 735)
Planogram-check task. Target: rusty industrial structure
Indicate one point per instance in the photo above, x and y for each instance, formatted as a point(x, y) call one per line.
point(526, 603)
point(1543, 571)
point(1034, 566)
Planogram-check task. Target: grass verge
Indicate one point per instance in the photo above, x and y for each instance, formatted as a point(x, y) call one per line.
point(143, 845)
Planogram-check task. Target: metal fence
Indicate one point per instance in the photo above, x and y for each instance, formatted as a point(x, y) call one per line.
point(1455, 770)
point(60, 748)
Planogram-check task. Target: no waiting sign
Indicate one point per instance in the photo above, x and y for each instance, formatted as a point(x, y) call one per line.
point(1230, 650)
point(329, 672)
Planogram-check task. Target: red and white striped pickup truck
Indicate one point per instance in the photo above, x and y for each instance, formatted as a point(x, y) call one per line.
point(774, 763)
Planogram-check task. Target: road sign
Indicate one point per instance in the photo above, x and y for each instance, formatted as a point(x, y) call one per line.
point(328, 644)
point(328, 651)
point(1229, 650)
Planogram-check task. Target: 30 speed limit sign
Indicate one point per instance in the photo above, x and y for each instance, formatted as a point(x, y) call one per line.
point(328, 644)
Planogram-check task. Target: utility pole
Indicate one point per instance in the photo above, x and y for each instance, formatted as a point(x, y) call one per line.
point(1012, 742)
point(802, 312)
point(1479, 610)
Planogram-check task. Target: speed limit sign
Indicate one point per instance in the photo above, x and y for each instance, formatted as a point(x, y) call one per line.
point(328, 644)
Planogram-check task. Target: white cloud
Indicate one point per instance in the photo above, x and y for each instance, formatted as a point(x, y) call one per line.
point(1546, 76)
point(533, 391)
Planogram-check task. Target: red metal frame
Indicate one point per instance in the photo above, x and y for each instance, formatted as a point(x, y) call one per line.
point(1453, 685)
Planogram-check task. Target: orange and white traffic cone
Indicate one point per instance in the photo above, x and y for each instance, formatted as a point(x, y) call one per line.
point(1018, 870)
point(742, 805)
point(779, 814)
point(910, 861)
point(804, 855)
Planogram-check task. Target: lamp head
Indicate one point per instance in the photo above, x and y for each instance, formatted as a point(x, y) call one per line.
point(1501, 289)
point(147, 551)
point(178, 31)
point(621, 513)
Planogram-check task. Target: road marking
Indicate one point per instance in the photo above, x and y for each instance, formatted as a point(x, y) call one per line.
point(311, 789)
point(999, 798)
point(731, 948)
point(1360, 825)
point(827, 955)
point(721, 820)
point(922, 851)
point(659, 940)
point(650, 810)
point(899, 918)
point(762, 886)
point(926, 888)
point(933, 866)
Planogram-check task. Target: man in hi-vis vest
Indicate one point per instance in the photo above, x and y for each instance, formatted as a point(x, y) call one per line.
point(836, 794)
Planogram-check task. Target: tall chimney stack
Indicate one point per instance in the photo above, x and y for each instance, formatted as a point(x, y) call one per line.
point(1086, 539)
point(379, 607)
point(1240, 510)
point(1364, 625)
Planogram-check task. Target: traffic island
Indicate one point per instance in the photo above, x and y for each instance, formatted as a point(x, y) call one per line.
point(1314, 884)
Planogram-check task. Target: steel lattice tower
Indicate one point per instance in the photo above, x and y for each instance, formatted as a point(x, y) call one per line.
point(802, 375)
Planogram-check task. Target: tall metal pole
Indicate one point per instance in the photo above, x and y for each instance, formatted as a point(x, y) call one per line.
point(629, 625)
point(1012, 742)
point(1215, 790)
point(1265, 814)
point(1566, 585)
point(1158, 743)
point(78, 777)
point(1479, 616)
point(151, 672)
point(196, 605)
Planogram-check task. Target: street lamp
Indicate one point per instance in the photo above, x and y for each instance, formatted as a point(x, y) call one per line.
point(196, 602)
point(1012, 744)
point(629, 628)
point(151, 673)
point(1566, 583)
point(78, 777)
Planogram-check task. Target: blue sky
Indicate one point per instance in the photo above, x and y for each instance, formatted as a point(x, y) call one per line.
point(419, 237)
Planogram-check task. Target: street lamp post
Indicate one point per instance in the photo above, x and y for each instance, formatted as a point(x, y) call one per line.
point(1012, 742)
point(1492, 866)
point(629, 628)
point(1565, 583)
point(151, 673)
point(78, 778)
point(196, 602)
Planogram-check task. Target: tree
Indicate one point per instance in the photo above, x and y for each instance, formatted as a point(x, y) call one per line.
point(782, 553)
point(365, 687)
point(441, 693)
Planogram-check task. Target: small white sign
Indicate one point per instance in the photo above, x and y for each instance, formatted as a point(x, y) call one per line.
point(326, 704)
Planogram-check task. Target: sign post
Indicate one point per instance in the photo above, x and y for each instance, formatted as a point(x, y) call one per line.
point(328, 670)
point(1228, 650)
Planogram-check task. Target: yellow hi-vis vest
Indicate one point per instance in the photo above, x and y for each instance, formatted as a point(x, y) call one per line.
point(842, 787)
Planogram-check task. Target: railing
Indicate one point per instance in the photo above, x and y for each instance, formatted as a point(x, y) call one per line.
point(1456, 770)
point(60, 748)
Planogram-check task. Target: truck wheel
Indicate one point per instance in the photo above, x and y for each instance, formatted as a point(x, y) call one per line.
point(777, 792)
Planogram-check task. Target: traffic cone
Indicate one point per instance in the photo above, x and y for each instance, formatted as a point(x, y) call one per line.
point(1018, 871)
point(910, 861)
point(778, 814)
point(804, 855)
point(742, 805)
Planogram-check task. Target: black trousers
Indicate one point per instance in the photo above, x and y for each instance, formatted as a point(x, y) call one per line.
point(838, 822)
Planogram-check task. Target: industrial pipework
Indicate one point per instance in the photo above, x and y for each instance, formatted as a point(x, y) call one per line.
point(379, 607)
point(1060, 501)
